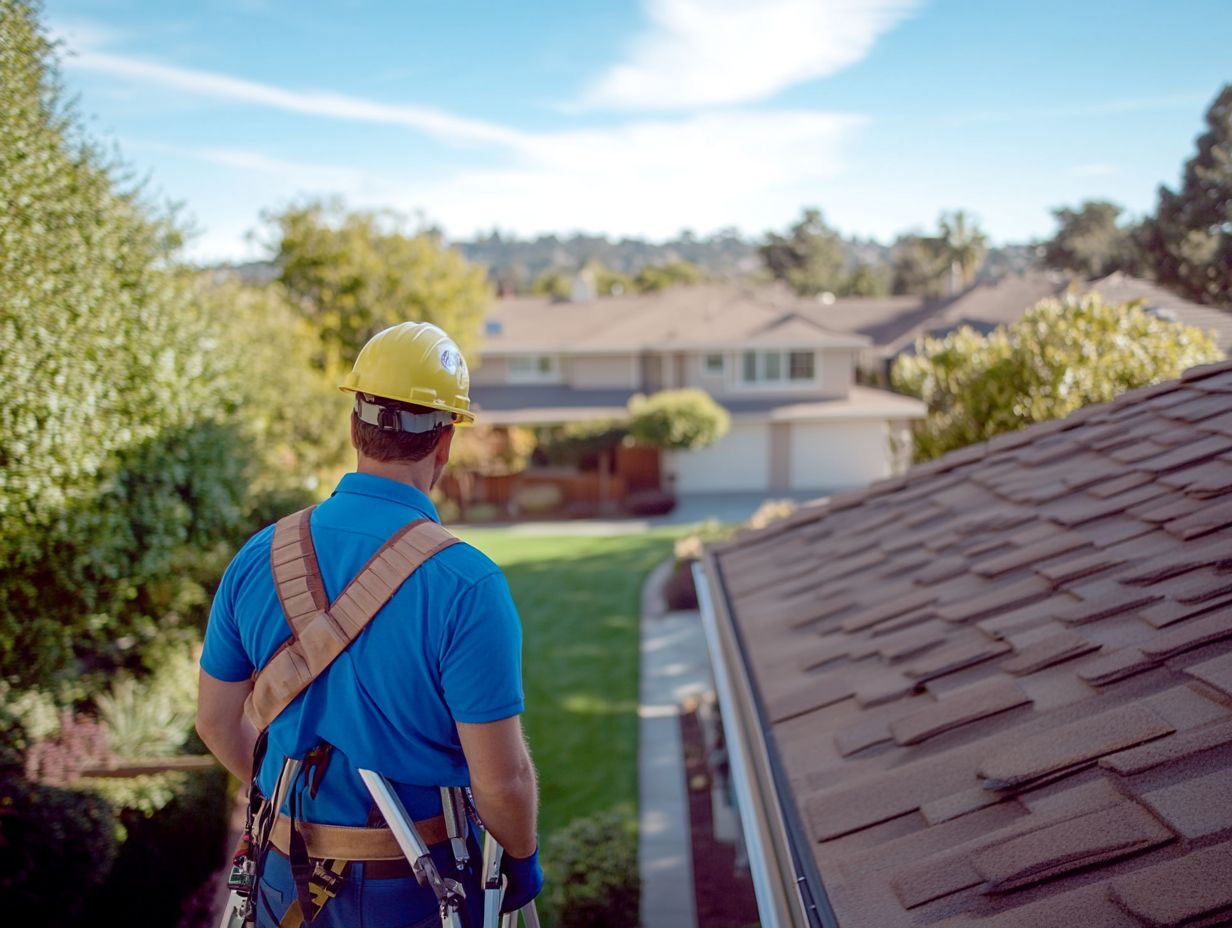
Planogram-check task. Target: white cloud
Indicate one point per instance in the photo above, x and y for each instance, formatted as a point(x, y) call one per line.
point(428, 120)
point(717, 52)
point(652, 178)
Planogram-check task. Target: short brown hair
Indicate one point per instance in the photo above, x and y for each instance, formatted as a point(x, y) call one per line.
point(380, 445)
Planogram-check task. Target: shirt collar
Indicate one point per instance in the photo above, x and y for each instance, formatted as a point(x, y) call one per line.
point(393, 491)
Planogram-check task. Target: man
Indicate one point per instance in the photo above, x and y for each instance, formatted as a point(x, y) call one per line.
point(429, 693)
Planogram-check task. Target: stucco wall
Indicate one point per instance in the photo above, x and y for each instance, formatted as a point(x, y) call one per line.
point(493, 371)
point(599, 371)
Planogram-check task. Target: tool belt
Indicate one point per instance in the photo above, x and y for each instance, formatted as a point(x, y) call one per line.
point(342, 842)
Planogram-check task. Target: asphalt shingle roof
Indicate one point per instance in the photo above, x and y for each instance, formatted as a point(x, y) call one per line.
point(1000, 685)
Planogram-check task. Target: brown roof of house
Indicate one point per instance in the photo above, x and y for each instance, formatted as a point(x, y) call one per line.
point(680, 318)
point(1000, 686)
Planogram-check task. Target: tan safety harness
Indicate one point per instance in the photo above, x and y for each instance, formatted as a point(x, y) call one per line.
point(320, 631)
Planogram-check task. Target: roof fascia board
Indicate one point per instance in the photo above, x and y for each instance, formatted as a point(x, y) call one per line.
point(772, 860)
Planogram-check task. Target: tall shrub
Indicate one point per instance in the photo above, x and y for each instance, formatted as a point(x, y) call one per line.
point(118, 450)
point(1062, 355)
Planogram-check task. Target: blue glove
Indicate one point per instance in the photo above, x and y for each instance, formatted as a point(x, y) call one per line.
point(523, 880)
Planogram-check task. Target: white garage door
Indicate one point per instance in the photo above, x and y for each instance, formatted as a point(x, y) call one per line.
point(838, 455)
point(737, 462)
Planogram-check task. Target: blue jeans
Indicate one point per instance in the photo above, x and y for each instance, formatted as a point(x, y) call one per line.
point(360, 903)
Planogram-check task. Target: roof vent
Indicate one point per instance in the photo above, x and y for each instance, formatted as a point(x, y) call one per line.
point(1162, 312)
point(493, 327)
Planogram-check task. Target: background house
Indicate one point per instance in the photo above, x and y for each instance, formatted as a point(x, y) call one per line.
point(799, 421)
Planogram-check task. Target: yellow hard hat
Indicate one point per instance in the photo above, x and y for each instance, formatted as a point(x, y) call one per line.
point(414, 362)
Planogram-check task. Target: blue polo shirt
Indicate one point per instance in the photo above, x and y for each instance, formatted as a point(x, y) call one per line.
point(446, 648)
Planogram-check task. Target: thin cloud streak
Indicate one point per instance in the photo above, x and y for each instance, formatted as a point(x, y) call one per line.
point(722, 52)
point(430, 121)
point(1178, 101)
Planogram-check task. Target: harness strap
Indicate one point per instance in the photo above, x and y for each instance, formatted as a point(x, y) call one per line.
point(319, 631)
point(346, 842)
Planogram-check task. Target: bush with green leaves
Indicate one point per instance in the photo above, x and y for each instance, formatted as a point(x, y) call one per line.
point(1062, 355)
point(117, 449)
point(591, 875)
point(677, 420)
point(55, 845)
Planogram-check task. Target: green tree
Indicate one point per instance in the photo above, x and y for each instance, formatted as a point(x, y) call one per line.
point(554, 283)
point(1090, 240)
point(920, 266)
point(1059, 357)
point(811, 258)
point(963, 244)
point(677, 420)
point(867, 280)
point(1188, 243)
point(119, 452)
point(354, 273)
point(661, 276)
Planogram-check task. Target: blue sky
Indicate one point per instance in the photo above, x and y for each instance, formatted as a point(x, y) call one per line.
point(645, 117)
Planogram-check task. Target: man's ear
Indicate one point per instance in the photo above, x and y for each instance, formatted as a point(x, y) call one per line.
point(443, 446)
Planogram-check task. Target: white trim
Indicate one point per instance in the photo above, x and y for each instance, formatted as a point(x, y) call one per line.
point(774, 899)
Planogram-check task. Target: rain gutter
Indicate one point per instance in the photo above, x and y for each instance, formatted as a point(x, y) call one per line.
point(785, 878)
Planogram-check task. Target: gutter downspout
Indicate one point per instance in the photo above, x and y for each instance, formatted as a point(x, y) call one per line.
point(777, 880)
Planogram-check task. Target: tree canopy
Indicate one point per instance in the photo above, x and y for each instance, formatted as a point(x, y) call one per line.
point(1062, 355)
point(811, 258)
point(353, 273)
point(1091, 241)
point(1188, 242)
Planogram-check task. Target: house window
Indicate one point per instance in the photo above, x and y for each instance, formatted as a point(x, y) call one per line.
point(714, 364)
point(800, 365)
point(769, 367)
point(533, 368)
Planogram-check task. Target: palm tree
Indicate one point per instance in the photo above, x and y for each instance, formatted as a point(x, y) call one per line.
point(963, 244)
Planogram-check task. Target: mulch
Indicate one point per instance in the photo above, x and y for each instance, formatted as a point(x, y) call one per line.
point(723, 892)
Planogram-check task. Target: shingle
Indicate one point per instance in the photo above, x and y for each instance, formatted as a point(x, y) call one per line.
point(813, 692)
point(1079, 511)
point(1169, 611)
point(1166, 509)
point(1198, 408)
point(936, 877)
point(1179, 892)
point(863, 734)
point(958, 709)
point(1188, 635)
point(1054, 649)
point(1086, 907)
point(1195, 808)
point(956, 656)
point(1216, 672)
point(942, 569)
point(1122, 484)
point(909, 641)
point(881, 688)
point(950, 807)
point(1116, 665)
point(1078, 566)
point(1071, 746)
point(896, 606)
point(1093, 839)
point(999, 598)
point(1104, 600)
point(1209, 519)
point(1049, 548)
point(1166, 750)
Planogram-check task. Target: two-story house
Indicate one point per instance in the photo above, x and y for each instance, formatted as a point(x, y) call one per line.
point(799, 422)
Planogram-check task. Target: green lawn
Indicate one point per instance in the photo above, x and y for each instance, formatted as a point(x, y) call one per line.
point(579, 601)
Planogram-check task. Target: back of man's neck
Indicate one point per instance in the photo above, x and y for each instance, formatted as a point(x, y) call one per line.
point(417, 474)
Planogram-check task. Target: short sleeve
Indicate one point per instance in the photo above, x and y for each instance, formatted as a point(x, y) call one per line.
point(223, 656)
point(481, 656)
